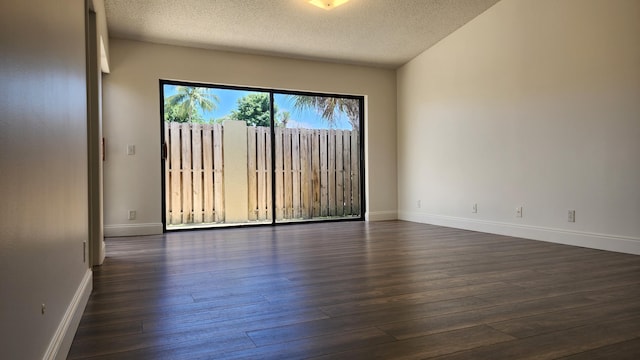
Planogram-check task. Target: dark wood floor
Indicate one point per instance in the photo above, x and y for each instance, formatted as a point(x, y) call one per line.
point(356, 290)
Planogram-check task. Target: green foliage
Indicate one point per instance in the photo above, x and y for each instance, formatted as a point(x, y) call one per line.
point(173, 113)
point(254, 110)
point(186, 105)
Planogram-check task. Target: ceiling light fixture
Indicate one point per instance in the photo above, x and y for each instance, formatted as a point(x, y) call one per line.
point(327, 4)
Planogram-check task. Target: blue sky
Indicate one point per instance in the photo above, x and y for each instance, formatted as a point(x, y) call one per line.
point(307, 119)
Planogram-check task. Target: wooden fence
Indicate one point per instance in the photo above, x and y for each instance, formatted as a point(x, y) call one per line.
point(194, 173)
point(316, 174)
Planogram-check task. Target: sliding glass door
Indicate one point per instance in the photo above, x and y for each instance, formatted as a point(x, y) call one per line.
point(317, 157)
point(241, 156)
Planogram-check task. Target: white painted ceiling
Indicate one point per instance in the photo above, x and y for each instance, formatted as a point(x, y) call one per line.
point(384, 33)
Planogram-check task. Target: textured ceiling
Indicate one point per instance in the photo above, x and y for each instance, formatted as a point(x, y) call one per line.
point(385, 33)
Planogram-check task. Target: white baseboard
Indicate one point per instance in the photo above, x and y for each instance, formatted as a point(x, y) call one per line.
point(623, 244)
point(132, 229)
point(61, 342)
point(381, 215)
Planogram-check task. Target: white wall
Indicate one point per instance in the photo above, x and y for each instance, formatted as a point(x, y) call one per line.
point(43, 177)
point(533, 104)
point(132, 116)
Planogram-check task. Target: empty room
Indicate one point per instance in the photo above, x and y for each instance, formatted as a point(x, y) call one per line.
point(295, 179)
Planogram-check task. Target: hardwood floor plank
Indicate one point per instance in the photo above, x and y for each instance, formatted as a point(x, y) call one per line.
point(151, 345)
point(315, 346)
point(213, 347)
point(568, 318)
point(626, 350)
point(593, 288)
point(426, 346)
point(385, 303)
point(434, 324)
point(557, 344)
point(239, 323)
point(389, 289)
point(92, 332)
point(361, 320)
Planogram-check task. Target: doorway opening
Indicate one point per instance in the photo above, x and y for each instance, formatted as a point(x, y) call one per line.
point(247, 156)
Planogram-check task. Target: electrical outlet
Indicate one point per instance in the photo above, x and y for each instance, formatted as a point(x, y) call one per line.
point(419, 204)
point(571, 216)
point(474, 209)
point(43, 309)
point(131, 149)
point(519, 211)
point(131, 215)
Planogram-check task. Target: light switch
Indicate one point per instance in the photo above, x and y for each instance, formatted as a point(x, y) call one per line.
point(131, 149)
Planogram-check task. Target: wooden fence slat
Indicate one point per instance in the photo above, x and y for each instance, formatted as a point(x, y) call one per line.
point(207, 160)
point(262, 181)
point(324, 175)
point(288, 198)
point(339, 174)
point(279, 174)
point(315, 172)
point(331, 172)
point(218, 169)
point(300, 163)
point(295, 164)
point(346, 162)
point(196, 146)
point(252, 179)
point(269, 163)
point(355, 170)
point(176, 175)
point(187, 189)
point(167, 173)
point(305, 174)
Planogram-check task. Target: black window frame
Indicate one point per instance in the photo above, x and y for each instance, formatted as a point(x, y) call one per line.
point(271, 92)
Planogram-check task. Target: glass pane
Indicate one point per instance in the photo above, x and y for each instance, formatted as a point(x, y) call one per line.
point(317, 158)
point(218, 163)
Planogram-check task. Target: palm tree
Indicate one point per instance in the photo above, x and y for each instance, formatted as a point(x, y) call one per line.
point(330, 108)
point(188, 100)
point(285, 116)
